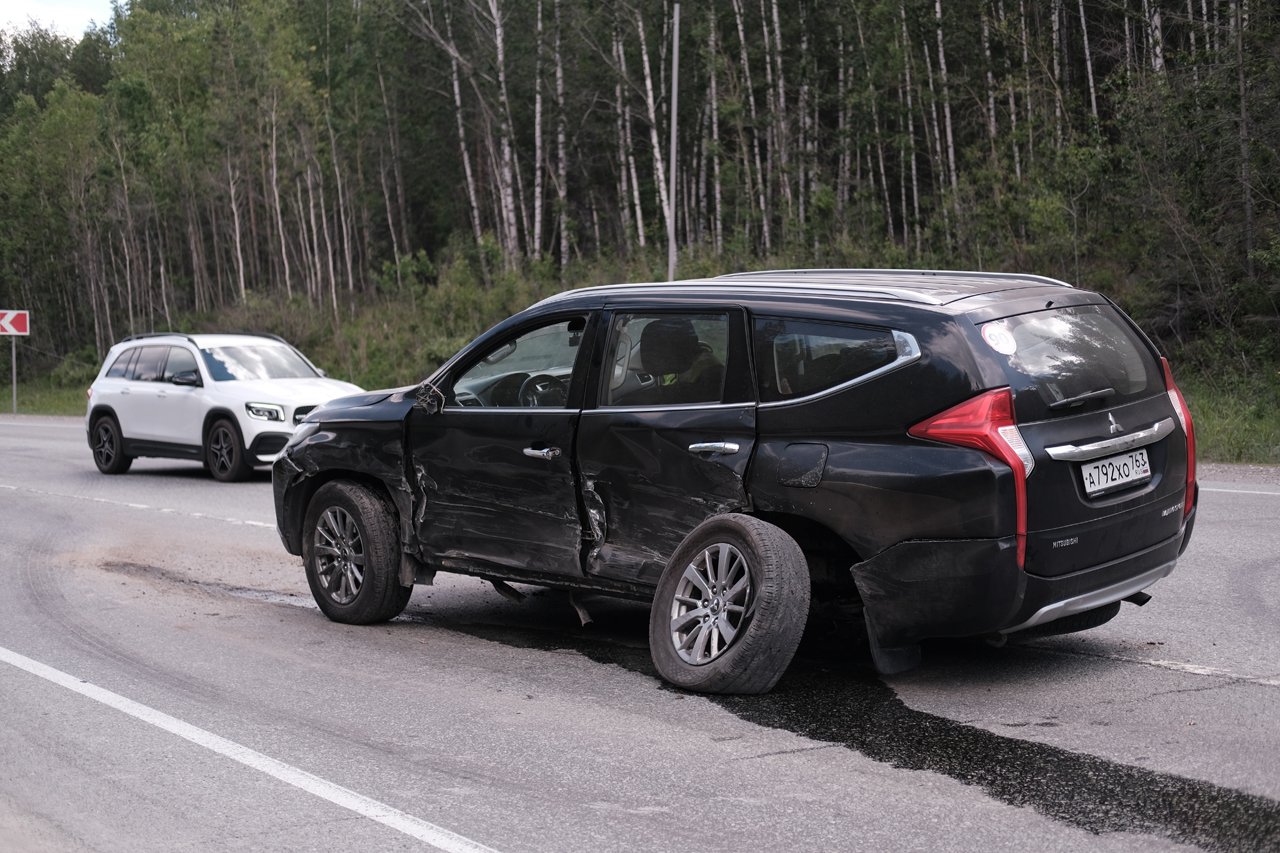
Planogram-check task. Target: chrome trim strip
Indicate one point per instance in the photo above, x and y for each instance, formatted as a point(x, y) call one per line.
point(908, 352)
point(1085, 452)
point(662, 407)
point(1097, 598)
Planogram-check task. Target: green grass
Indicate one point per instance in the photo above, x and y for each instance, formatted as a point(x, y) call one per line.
point(1237, 418)
point(44, 398)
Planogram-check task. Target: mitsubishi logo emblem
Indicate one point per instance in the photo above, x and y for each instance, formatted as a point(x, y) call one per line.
point(1115, 427)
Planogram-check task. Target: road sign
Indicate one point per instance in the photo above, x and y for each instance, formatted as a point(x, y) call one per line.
point(15, 322)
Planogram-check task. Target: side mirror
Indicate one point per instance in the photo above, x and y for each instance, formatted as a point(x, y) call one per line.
point(189, 378)
point(428, 398)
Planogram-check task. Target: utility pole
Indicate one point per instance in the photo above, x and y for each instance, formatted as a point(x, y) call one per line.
point(671, 172)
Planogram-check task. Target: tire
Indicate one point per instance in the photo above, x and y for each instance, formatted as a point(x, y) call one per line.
point(764, 611)
point(224, 454)
point(108, 446)
point(351, 552)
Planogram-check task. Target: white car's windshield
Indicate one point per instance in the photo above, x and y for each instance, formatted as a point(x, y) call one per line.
point(250, 361)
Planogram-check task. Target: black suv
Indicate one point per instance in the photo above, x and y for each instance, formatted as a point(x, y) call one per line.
point(948, 453)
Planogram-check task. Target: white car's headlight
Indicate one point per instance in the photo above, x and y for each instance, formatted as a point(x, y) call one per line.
point(265, 411)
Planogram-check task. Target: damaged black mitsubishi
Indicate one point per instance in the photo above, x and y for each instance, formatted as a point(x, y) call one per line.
point(940, 454)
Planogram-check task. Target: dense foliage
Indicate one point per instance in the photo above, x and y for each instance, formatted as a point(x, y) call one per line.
point(202, 158)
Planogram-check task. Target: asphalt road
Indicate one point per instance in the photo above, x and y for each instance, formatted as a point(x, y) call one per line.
point(167, 684)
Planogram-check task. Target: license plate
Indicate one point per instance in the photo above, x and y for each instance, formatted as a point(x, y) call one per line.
point(1115, 472)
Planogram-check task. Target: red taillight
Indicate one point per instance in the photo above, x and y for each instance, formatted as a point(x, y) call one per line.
point(1183, 412)
point(986, 423)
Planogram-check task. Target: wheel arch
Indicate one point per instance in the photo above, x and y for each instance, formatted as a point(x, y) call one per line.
point(829, 556)
point(214, 415)
point(102, 409)
point(305, 491)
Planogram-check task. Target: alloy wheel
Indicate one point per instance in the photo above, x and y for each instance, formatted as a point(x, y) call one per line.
point(221, 450)
point(104, 445)
point(712, 604)
point(340, 555)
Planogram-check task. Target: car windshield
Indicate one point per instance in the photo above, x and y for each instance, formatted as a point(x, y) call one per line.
point(255, 361)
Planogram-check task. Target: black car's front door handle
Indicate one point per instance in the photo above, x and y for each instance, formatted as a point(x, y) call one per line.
point(714, 447)
point(548, 453)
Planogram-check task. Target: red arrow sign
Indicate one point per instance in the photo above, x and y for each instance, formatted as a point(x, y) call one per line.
point(15, 322)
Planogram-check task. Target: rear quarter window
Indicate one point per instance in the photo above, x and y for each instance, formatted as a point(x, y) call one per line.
point(797, 358)
point(120, 367)
point(1069, 360)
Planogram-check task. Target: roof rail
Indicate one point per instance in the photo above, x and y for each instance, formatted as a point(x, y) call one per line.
point(144, 335)
point(923, 273)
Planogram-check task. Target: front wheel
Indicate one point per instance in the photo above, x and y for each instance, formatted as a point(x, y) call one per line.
point(350, 549)
point(730, 607)
point(108, 447)
point(224, 453)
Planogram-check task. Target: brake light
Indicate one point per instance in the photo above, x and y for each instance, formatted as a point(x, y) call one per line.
point(986, 423)
point(1183, 411)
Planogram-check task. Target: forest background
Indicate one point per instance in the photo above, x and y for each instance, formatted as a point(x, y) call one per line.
point(378, 180)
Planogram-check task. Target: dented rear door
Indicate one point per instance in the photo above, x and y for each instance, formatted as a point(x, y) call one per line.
point(656, 463)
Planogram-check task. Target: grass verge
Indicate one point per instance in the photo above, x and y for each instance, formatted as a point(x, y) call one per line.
point(45, 398)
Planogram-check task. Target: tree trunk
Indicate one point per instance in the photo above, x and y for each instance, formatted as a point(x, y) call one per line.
point(762, 191)
point(535, 239)
point(946, 101)
point(506, 181)
point(713, 99)
point(659, 166)
point(235, 224)
point(1088, 64)
point(562, 151)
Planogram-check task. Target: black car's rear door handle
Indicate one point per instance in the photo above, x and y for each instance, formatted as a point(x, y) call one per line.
point(714, 447)
point(548, 453)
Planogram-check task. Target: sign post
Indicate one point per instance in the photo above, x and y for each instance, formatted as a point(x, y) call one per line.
point(13, 324)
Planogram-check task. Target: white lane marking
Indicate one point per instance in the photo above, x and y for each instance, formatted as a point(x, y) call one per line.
point(436, 836)
point(130, 505)
point(1240, 492)
point(1175, 666)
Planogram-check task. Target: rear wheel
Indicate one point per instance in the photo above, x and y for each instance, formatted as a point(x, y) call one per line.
point(108, 447)
point(351, 552)
point(224, 453)
point(730, 607)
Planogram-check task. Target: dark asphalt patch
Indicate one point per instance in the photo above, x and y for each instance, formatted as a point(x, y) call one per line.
point(844, 704)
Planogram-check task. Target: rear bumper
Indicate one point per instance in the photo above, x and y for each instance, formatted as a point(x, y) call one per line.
point(958, 588)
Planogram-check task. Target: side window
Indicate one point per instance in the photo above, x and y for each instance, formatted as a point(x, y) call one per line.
point(532, 370)
point(149, 365)
point(180, 361)
point(796, 358)
point(665, 359)
point(120, 367)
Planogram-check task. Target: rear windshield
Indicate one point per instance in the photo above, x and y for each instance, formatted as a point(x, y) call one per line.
point(255, 361)
point(1070, 360)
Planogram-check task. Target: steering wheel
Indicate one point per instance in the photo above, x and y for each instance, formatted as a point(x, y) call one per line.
point(542, 389)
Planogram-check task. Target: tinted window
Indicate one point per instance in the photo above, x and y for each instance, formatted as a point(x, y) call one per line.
point(534, 369)
point(149, 364)
point(120, 367)
point(1072, 358)
point(180, 361)
point(796, 358)
point(666, 359)
point(255, 361)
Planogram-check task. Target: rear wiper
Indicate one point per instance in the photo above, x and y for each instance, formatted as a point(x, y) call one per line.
point(1080, 398)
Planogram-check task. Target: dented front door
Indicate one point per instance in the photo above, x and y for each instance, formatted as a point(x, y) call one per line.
point(495, 487)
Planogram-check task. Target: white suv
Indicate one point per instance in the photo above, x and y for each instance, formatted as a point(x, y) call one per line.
point(229, 401)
